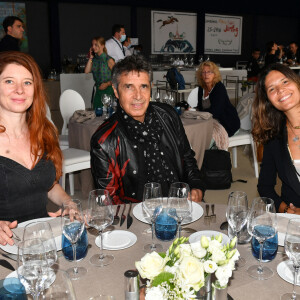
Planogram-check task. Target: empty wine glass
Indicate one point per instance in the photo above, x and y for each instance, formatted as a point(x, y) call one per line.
point(292, 250)
point(100, 215)
point(236, 214)
point(152, 206)
point(106, 101)
point(32, 266)
point(262, 224)
point(179, 195)
point(72, 228)
point(157, 96)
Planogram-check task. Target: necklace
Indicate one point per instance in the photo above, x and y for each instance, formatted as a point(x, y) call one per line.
point(296, 136)
point(295, 127)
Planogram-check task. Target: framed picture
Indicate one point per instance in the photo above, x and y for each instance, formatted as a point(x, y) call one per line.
point(223, 34)
point(173, 32)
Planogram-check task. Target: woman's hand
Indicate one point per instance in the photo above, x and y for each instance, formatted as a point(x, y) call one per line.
point(91, 53)
point(6, 233)
point(104, 86)
point(293, 209)
point(196, 195)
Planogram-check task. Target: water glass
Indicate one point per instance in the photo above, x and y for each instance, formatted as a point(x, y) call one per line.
point(269, 250)
point(165, 225)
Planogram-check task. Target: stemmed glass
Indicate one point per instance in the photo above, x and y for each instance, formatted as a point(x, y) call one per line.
point(179, 195)
point(236, 214)
point(262, 224)
point(32, 266)
point(152, 206)
point(100, 215)
point(72, 228)
point(106, 101)
point(292, 250)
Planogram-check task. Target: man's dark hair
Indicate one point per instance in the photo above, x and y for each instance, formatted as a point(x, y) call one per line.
point(293, 42)
point(116, 28)
point(255, 50)
point(132, 63)
point(9, 21)
point(269, 46)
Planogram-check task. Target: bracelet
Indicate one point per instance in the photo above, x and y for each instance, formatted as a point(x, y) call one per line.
point(286, 209)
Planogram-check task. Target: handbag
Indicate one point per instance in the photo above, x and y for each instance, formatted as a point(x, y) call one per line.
point(216, 169)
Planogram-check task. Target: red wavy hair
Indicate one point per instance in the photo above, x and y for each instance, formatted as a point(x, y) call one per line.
point(43, 134)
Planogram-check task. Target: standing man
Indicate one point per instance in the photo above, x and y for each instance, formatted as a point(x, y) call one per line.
point(114, 45)
point(14, 28)
point(253, 68)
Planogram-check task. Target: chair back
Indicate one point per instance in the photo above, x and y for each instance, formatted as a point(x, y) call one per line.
point(69, 102)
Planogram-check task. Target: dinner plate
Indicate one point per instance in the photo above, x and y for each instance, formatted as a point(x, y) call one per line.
point(195, 237)
point(197, 213)
point(14, 249)
point(117, 240)
point(281, 235)
point(286, 271)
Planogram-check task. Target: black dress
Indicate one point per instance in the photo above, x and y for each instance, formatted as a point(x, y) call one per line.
point(24, 192)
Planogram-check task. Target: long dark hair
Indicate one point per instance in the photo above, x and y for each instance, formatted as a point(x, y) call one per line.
point(266, 119)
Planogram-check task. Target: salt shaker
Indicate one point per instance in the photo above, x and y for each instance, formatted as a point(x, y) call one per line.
point(132, 285)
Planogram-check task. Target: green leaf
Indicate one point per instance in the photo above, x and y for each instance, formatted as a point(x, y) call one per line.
point(162, 254)
point(162, 277)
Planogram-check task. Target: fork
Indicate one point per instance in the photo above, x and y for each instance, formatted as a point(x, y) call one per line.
point(116, 217)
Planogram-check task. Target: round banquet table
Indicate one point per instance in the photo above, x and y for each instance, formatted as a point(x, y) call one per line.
point(199, 134)
point(110, 279)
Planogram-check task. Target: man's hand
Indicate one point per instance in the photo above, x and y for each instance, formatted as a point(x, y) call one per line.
point(6, 233)
point(293, 209)
point(197, 195)
point(103, 86)
point(55, 214)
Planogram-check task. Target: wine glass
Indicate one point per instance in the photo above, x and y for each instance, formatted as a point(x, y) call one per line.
point(100, 215)
point(106, 101)
point(292, 250)
point(179, 195)
point(152, 206)
point(32, 266)
point(262, 224)
point(236, 214)
point(61, 288)
point(72, 228)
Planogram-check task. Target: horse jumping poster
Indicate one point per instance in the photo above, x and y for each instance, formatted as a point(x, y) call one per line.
point(173, 32)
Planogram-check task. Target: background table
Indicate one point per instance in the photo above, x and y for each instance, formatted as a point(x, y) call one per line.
point(110, 279)
point(199, 133)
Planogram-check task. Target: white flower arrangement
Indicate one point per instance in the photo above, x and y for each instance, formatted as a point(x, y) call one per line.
point(181, 271)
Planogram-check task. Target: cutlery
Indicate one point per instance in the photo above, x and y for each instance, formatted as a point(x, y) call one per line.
point(10, 256)
point(4, 263)
point(123, 217)
point(207, 217)
point(213, 216)
point(116, 217)
point(129, 217)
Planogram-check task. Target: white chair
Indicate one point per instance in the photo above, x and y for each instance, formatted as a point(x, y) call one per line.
point(74, 160)
point(243, 137)
point(69, 102)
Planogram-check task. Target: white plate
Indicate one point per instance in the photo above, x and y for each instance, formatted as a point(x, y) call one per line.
point(286, 271)
point(117, 240)
point(196, 213)
point(14, 249)
point(195, 237)
point(281, 235)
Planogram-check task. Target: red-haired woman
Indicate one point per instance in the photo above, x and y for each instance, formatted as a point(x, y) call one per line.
point(30, 157)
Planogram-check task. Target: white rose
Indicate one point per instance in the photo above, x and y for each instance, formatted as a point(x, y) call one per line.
point(198, 250)
point(214, 244)
point(218, 255)
point(223, 274)
point(210, 266)
point(170, 269)
point(191, 270)
point(155, 293)
point(184, 250)
point(151, 265)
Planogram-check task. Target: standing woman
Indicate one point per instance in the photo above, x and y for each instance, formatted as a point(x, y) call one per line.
point(276, 124)
point(100, 64)
point(30, 157)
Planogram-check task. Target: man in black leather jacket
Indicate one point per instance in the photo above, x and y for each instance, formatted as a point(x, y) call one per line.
point(142, 142)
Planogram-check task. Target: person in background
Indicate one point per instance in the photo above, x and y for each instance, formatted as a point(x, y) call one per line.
point(293, 55)
point(274, 53)
point(142, 142)
point(253, 68)
point(276, 125)
point(114, 45)
point(100, 64)
point(128, 47)
point(30, 157)
point(14, 28)
point(211, 96)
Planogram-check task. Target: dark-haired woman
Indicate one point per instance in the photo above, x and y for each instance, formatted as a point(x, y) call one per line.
point(276, 124)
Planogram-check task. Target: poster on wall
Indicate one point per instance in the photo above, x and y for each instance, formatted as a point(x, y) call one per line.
point(173, 32)
point(14, 9)
point(223, 34)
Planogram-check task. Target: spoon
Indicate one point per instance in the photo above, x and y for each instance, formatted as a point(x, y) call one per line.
point(116, 217)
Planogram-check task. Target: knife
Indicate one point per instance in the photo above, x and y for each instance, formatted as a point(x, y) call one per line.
point(129, 217)
point(4, 263)
point(123, 217)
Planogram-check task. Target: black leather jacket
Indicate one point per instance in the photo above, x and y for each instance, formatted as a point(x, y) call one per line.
point(116, 157)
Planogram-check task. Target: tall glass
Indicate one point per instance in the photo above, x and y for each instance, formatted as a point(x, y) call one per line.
point(262, 224)
point(292, 250)
point(100, 215)
point(152, 206)
point(236, 214)
point(72, 228)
